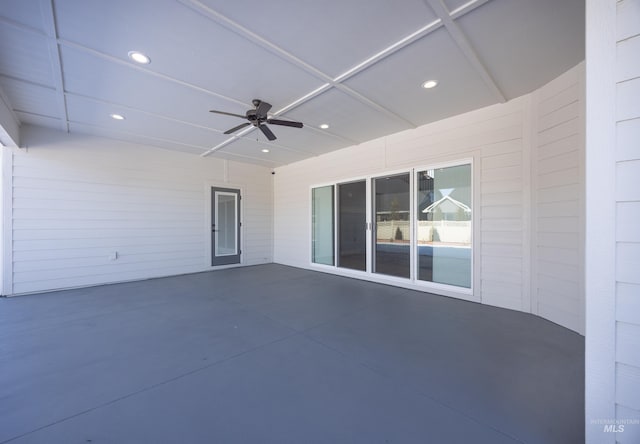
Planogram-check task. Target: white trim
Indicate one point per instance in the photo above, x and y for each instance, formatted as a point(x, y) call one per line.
point(600, 244)
point(529, 199)
point(582, 197)
point(413, 227)
point(476, 231)
point(429, 287)
point(7, 222)
point(369, 224)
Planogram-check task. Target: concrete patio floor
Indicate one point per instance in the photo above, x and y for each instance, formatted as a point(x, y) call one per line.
point(274, 354)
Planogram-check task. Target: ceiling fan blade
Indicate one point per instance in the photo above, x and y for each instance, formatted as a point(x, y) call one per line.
point(267, 132)
point(228, 114)
point(262, 109)
point(236, 128)
point(285, 123)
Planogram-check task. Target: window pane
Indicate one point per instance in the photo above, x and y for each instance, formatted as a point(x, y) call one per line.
point(444, 225)
point(226, 226)
point(393, 228)
point(352, 215)
point(322, 225)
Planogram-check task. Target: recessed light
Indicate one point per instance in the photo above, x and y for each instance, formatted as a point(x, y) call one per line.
point(139, 57)
point(264, 150)
point(117, 116)
point(430, 84)
point(324, 126)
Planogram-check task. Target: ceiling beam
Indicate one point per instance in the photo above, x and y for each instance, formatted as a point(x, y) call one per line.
point(463, 43)
point(466, 8)
point(9, 124)
point(50, 27)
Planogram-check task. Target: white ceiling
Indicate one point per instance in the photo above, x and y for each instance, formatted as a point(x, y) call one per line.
point(354, 64)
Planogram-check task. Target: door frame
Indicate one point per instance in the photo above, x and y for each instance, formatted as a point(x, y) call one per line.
point(208, 244)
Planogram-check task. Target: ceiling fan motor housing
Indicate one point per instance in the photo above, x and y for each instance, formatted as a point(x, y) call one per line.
point(252, 115)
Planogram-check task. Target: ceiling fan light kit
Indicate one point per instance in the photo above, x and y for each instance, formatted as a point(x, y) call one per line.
point(258, 117)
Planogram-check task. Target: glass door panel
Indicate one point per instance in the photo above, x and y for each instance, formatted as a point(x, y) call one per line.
point(225, 226)
point(392, 230)
point(444, 225)
point(352, 225)
point(322, 242)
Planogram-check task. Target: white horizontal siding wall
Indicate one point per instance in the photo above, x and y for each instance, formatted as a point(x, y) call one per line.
point(558, 203)
point(501, 140)
point(77, 200)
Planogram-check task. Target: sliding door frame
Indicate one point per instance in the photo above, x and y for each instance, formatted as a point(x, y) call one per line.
point(413, 281)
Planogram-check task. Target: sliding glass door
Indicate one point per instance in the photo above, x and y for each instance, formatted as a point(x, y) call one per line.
point(414, 226)
point(352, 225)
point(392, 229)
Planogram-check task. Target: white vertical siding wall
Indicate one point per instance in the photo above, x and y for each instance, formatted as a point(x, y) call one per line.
point(627, 217)
point(613, 211)
point(78, 200)
point(558, 202)
point(502, 141)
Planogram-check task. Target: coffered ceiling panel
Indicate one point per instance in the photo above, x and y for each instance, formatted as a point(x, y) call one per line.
point(306, 140)
point(24, 55)
point(31, 97)
point(90, 75)
point(81, 128)
point(87, 111)
point(519, 50)
point(28, 13)
point(183, 44)
point(38, 120)
point(436, 58)
point(333, 35)
point(348, 117)
point(251, 151)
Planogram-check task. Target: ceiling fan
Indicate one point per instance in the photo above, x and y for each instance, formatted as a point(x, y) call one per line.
point(258, 117)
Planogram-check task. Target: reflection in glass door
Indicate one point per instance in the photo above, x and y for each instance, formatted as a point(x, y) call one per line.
point(392, 231)
point(352, 225)
point(225, 226)
point(444, 229)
